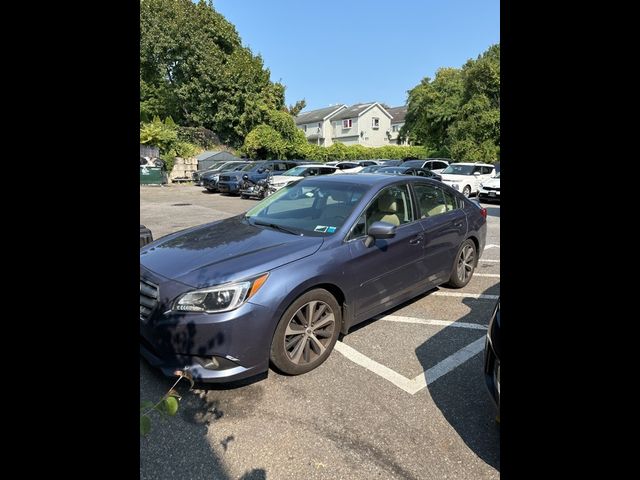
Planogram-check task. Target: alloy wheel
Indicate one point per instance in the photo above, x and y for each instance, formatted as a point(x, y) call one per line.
point(466, 262)
point(309, 332)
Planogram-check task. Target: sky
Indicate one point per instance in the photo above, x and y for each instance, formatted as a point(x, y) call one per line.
point(356, 51)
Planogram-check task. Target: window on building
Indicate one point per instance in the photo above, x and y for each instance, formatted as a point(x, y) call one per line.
point(346, 123)
point(375, 122)
point(394, 128)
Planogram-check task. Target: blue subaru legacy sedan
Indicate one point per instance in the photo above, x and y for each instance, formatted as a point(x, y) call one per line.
point(278, 284)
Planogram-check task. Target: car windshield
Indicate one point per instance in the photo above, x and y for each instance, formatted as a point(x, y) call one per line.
point(308, 207)
point(370, 169)
point(413, 163)
point(295, 171)
point(223, 166)
point(459, 169)
point(392, 170)
point(247, 167)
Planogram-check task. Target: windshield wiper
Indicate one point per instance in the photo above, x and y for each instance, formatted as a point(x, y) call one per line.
point(276, 227)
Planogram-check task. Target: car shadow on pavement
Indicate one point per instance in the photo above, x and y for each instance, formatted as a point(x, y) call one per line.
point(461, 394)
point(183, 443)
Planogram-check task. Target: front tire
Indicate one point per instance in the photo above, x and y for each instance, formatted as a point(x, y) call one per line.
point(465, 265)
point(466, 191)
point(306, 333)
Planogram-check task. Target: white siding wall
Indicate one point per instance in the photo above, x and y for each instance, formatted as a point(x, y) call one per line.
point(394, 135)
point(338, 131)
point(347, 140)
point(374, 137)
point(327, 133)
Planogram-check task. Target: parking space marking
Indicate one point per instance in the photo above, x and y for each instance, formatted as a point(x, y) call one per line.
point(385, 372)
point(491, 245)
point(448, 364)
point(478, 296)
point(487, 260)
point(423, 321)
point(427, 377)
point(492, 275)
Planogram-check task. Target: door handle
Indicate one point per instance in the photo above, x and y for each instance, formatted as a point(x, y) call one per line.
point(416, 240)
point(457, 224)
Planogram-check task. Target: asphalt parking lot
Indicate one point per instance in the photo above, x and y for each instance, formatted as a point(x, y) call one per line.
point(401, 396)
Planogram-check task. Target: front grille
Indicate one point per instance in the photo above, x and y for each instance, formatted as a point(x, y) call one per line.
point(225, 178)
point(148, 298)
point(491, 189)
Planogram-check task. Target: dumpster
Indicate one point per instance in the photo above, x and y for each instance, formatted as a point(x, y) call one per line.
point(152, 175)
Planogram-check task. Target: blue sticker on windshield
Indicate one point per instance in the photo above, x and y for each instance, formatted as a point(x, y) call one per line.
point(331, 229)
point(320, 228)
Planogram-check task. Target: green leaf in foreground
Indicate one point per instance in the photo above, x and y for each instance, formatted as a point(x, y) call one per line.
point(170, 405)
point(145, 425)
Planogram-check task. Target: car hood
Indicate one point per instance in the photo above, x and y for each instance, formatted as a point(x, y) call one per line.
point(447, 177)
point(281, 179)
point(493, 182)
point(224, 251)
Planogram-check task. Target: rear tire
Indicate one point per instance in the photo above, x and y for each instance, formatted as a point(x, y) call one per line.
point(464, 266)
point(306, 333)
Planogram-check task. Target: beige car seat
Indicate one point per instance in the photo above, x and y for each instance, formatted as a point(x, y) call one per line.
point(386, 211)
point(432, 204)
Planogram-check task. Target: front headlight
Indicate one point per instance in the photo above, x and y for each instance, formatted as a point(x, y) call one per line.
point(456, 186)
point(220, 298)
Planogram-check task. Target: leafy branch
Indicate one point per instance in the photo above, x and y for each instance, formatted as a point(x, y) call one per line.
point(167, 406)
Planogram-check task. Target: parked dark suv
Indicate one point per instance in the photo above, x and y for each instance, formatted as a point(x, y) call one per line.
point(231, 182)
point(209, 180)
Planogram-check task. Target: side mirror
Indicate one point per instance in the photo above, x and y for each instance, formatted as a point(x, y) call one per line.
point(245, 177)
point(379, 230)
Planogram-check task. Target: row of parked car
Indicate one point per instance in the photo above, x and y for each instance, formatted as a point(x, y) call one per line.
point(481, 179)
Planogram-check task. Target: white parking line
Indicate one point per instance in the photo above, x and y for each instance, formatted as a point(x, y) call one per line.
point(478, 296)
point(385, 372)
point(448, 364)
point(423, 321)
point(488, 260)
point(491, 245)
point(492, 275)
point(425, 378)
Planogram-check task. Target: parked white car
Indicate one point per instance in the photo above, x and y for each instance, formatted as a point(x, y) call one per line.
point(467, 177)
point(302, 171)
point(490, 189)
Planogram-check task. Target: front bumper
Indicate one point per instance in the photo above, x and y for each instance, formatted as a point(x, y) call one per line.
point(238, 341)
point(209, 183)
point(228, 187)
point(489, 194)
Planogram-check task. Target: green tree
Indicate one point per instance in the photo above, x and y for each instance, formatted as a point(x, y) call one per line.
point(264, 143)
point(296, 108)
point(194, 69)
point(458, 112)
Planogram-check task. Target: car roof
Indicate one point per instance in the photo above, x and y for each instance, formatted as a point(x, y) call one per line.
point(473, 163)
point(314, 165)
point(373, 179)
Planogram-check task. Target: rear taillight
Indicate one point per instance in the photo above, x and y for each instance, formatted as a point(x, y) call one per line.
point(483, 212)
